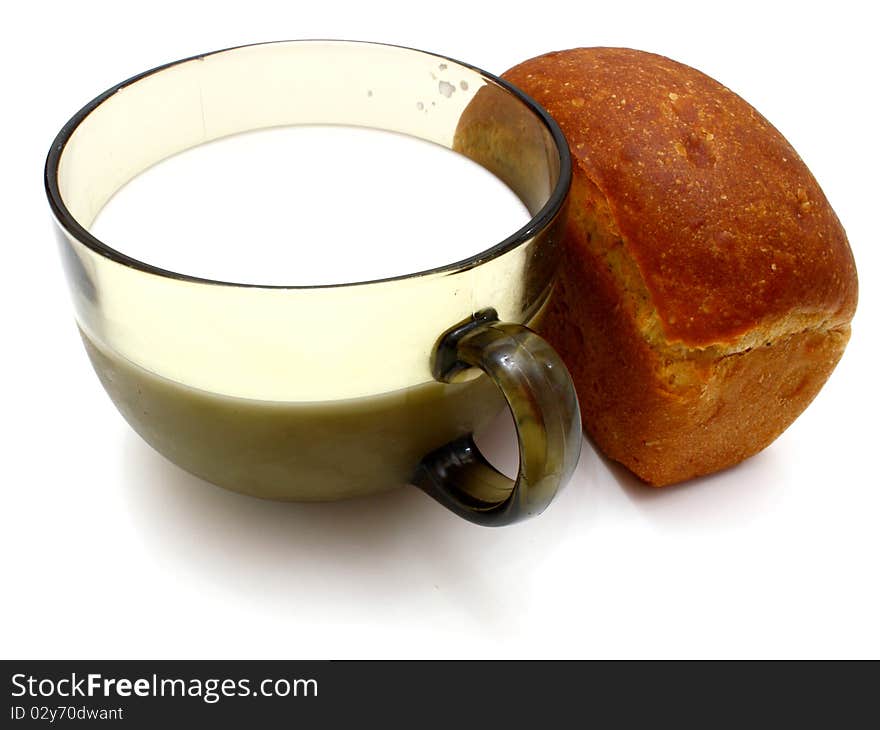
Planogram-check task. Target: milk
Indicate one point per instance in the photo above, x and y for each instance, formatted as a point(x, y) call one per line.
point(304, 206)
point(295, 451)
point(310, 205)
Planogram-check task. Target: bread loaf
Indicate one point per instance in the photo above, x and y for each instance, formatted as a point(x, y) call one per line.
point(707, 285)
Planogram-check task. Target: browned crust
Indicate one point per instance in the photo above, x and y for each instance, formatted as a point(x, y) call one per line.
point(666, 415)
point(728, 227)
point(707, 285)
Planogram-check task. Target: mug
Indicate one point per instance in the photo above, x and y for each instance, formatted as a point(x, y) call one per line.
point(328, 392)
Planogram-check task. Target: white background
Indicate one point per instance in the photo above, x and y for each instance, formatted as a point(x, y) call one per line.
point(109, 551)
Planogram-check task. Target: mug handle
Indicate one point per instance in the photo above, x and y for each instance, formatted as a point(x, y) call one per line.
point(539, 392)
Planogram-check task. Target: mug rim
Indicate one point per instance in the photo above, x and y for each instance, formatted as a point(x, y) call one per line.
point(538, 222)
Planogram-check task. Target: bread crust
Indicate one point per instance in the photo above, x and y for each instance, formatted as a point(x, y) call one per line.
point(707, 285)
point(728, 227)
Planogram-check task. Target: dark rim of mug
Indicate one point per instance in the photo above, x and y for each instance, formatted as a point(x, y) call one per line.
point(538, 222)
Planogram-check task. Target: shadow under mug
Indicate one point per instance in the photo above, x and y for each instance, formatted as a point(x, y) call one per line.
point(327, 392)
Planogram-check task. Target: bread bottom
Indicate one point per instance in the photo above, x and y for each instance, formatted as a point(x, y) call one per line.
point(666, 412)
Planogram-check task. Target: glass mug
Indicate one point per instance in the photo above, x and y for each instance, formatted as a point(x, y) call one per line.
point(328, 392)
